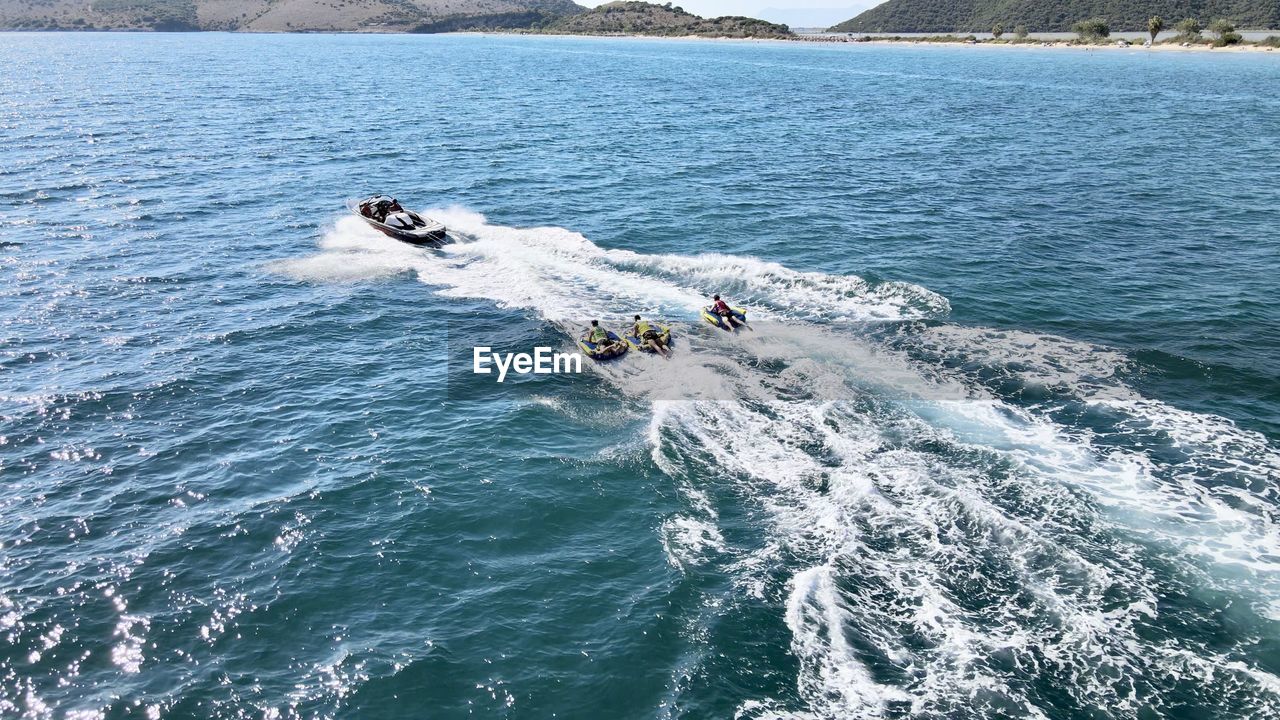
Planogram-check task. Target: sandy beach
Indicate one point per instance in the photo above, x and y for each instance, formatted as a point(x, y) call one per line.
point(1060, 44)
point(1113, 47)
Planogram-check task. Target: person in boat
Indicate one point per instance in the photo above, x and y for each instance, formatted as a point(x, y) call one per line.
point(389, 211)
point(599, 337)
point(373, 209)
point(650, 336)
point(722, 309)
point(378, 208)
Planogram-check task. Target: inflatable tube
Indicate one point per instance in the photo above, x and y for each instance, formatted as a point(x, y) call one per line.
point(739, 314)
point(595, 352)
point(636, 343)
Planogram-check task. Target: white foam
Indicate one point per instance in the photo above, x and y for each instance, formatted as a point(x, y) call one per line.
point(689, 541)
point(352, 251)
point(563, 276)
point(1217, 503)
point(821, 469)
point(864, 462)
point(834, 681)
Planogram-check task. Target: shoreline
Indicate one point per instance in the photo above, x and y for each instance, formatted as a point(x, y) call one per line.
point(864, 40)
point(1133, 47)
point(895, 42)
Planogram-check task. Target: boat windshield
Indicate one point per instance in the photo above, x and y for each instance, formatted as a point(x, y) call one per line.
point(379, 207)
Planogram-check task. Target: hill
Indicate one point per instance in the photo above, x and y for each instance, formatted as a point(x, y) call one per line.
point(945, 16)
point(641, 18)
point(283, 15)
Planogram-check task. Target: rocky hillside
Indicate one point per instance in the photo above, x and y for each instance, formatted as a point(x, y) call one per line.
point(640, 18)
point(945, 16)
point(284, 15)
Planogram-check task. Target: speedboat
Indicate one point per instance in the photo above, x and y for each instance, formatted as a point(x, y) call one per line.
point(385, 214)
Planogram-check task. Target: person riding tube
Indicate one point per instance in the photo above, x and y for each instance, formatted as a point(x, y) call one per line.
point(650, 336)
point(599, 337)
point(722, 309)
point(596, 335)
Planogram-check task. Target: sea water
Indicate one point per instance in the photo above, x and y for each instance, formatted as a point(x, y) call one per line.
point(1003, 444)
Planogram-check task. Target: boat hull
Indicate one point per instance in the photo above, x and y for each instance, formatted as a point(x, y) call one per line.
point(430, 237)
point(434, 234)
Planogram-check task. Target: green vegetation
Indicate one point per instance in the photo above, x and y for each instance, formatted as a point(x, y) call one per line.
point(1190, 26)
point(949, 16)
point(284, 15)
point(1188, 30)
point(1226, 33)
point(486, 23)
point(641, 18)
point(631, 17)
point(154, 14)
point(1091, 30)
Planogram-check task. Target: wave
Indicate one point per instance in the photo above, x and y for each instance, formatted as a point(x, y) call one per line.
point(561, 275)
point(969, 522)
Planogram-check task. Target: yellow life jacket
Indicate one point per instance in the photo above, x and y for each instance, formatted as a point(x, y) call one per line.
point(598, 335)
point(643, 327)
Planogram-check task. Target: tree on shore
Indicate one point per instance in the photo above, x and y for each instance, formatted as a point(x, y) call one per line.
point(1226, 32)
point(997, 31)
point(1091, 30)
point(1189, 29)
point(1154, 26)
point(1020, 32)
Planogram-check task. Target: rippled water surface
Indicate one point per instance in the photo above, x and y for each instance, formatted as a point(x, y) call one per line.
point(1005, 442)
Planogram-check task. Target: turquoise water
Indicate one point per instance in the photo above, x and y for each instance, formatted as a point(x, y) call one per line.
point(1005, 442)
